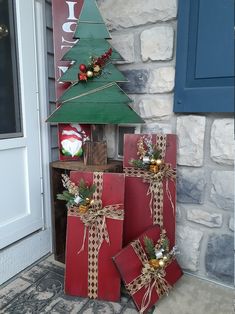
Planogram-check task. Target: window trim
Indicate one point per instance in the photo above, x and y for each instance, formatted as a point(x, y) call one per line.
point(137, 130)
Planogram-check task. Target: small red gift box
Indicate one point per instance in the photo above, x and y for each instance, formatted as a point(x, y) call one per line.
point(90, 271)
point(145, 207)
point(145, 284)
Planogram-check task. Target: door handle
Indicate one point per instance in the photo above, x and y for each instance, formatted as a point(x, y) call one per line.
point(3, 31)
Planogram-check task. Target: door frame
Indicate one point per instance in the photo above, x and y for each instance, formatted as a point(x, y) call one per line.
point(36, 245)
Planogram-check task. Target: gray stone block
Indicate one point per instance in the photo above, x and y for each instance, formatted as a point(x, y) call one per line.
point(222, 141)
point(188, 242)
point(213, 220)
point(124, 43)
point(138, 80)
point(191, 132)
point(156, 128)
point(191, 186)
point(179, 213)
point(222, 191)
point(157, 43)
point(231, 224)
point(162, 80)
point(219, 260)
point(156, 107)
point(130, 13)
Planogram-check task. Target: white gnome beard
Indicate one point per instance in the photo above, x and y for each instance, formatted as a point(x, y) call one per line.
point(72, 146)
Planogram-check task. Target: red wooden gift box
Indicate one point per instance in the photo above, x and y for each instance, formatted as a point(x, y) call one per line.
point(130, 267)
point(137, 211)
point(76, 271)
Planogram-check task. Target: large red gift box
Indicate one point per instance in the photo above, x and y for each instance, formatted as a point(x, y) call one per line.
point(138, 215)
point(90, 271)
point(130, 262)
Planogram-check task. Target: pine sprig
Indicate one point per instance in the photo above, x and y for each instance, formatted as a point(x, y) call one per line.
point(149, 247)
point(138, 163)
point(165, 244)
point(67, 197)
point(156, 153)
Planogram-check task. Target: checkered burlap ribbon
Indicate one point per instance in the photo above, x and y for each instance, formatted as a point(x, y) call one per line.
point(149, 278)
point(94, 221)
point(155, 181)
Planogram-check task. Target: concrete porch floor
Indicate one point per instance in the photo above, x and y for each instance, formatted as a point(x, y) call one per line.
point(39, 289)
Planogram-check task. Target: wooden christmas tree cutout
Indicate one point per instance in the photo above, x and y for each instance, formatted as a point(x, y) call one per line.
point(94, 96)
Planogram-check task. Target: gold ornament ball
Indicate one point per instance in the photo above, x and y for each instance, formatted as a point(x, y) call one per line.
point(153, 161)
point(154, 263)
point(92, 202)
point(158, 162)
point(165, 258)
point(161, 263)
point(87, 200)
point(89, 73)
point(82, 209)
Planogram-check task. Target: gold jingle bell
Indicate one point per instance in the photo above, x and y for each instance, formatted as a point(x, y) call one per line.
point(161, 263)
point(153, 161)
point(87, 201)
point(83, 209)
point(89, 74)
point(165, 258)
point(154, 263)
point(153, 168)
point(159, 162)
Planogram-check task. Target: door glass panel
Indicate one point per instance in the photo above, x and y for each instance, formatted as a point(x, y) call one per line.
point(10, 120)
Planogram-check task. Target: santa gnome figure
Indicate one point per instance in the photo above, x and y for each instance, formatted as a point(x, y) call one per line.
point(71, 139)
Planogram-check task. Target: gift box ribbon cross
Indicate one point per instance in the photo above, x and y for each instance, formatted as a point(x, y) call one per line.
point(94, 221)
point(149, 278)
point(155, 181)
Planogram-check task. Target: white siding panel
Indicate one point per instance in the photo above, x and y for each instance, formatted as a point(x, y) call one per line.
point(51, 79)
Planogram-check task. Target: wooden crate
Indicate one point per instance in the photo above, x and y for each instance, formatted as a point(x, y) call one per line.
point(95, 153)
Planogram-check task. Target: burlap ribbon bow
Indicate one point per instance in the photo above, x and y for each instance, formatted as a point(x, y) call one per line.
point(94, 221)
point(149, 278)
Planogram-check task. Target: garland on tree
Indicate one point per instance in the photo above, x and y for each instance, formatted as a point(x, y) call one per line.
point(95, 67)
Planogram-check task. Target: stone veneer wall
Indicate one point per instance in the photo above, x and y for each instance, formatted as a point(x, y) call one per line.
point(145, 34)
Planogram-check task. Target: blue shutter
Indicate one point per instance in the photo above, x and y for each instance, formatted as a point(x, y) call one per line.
point(205, 56)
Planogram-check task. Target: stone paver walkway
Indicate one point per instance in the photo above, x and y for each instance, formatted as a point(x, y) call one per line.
point(39, 289)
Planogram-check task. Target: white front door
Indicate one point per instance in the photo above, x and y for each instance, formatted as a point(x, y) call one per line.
point(21, 185)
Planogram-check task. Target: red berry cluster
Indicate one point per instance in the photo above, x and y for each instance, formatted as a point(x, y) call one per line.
point(101, 61)
point(95, 67)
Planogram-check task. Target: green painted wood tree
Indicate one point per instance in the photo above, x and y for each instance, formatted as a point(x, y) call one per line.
point(94, 96)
